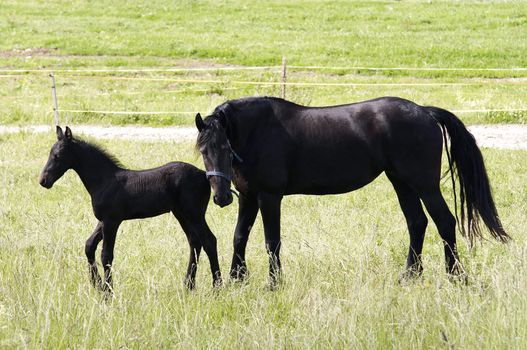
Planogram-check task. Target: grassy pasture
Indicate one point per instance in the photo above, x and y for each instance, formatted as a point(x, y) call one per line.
point(120, 35)
point(341, 33)
point(342, 257)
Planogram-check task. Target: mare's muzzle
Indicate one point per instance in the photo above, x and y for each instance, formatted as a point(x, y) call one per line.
point(221, 197)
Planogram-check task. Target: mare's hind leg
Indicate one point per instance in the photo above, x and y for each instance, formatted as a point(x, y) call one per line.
point(90, 248)
point(416, 221)
point(446, 225)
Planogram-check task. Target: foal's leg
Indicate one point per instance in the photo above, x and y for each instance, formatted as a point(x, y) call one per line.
point(270, 209)
point(247, 211)
point(90, 248)
point(195, 249)
point(109, 230)
point(208, 240)
point(446, 225)
point(415, 220)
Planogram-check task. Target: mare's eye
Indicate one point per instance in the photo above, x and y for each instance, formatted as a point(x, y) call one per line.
point(55, 156)
point(203, 151)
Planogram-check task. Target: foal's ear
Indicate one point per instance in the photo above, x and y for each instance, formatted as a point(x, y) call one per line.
point(68, 134)
point(60, 134)
point(199, 122)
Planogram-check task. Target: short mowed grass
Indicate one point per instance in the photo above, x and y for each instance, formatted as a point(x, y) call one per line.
point(208, 34)
point(342, 258)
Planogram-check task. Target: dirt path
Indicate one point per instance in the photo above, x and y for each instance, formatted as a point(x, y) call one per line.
point(512, 136)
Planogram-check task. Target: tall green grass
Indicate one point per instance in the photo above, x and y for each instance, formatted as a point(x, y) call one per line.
point(342, 258)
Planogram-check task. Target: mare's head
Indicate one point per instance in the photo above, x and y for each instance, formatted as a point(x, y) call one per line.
point(217, 155)
point(60, 158)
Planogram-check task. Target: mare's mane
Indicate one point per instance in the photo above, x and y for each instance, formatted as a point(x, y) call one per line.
point(226, 110)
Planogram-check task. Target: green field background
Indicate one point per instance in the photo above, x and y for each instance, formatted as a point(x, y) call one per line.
point(343, 39)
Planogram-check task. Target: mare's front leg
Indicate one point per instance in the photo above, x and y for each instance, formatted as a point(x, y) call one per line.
point(270, 209)
point(90, 248)
point(109, 231)
point(247, 211)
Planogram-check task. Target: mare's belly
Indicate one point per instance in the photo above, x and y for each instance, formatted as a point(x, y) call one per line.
point(329, 185)
point(333, 171)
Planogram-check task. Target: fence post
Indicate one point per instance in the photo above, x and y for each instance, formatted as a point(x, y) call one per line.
point(282, 92)
point(55, 103)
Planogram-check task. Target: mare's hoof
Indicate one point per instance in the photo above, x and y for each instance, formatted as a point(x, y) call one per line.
point(458, 274)
point(458, 278)
point(275, 282)
point(239, 274)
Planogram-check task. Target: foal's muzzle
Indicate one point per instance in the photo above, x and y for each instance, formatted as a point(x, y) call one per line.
point(44, 182)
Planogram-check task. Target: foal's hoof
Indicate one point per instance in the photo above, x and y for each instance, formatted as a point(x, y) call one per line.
point(107, 292)
point(190, 284)
point(217, 283)
point(411, 274)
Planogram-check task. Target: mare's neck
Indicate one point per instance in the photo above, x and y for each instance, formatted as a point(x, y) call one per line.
point(94, 166)
point(240, 127)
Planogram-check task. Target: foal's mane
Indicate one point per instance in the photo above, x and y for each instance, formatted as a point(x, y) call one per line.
point(97, 151)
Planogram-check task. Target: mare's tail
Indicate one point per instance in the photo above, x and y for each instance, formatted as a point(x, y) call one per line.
point(475, 193)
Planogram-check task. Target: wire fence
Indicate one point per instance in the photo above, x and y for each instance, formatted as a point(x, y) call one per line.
point(110, 74)
point(262, 68)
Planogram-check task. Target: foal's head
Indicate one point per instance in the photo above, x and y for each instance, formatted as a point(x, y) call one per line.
point(217, 156)
point(60, 158)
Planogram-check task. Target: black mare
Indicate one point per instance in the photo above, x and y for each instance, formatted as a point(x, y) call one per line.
point(119, 194)
point(271, 148)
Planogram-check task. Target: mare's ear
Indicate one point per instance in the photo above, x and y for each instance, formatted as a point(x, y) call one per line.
point(60, 134)
point(199, 122)
point(68, 134)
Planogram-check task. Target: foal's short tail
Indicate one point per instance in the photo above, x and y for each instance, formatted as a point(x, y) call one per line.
point(465, 158)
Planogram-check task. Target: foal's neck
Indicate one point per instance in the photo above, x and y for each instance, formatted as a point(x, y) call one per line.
point(94, 166)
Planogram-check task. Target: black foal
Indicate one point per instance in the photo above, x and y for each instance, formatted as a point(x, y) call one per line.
point(119, 194)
